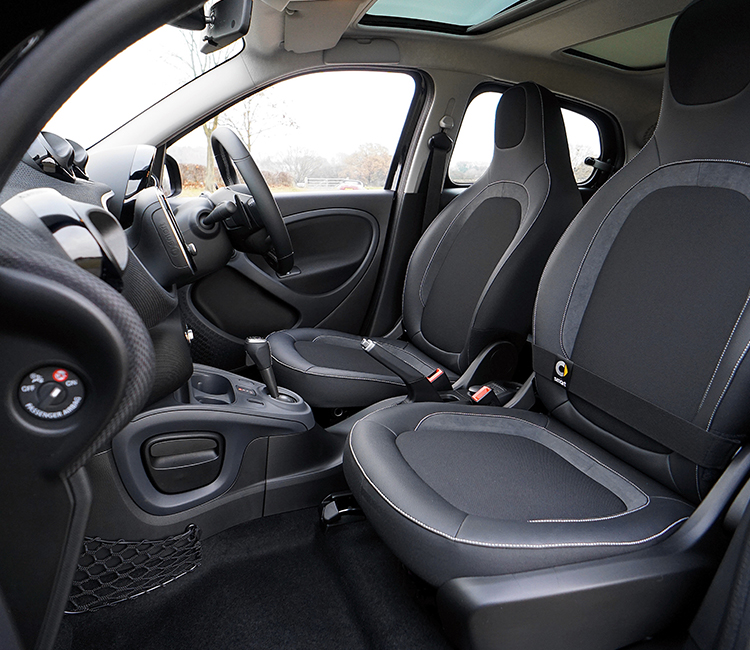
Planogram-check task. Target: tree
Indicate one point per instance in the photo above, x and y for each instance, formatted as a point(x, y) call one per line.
point(301, 163)
point(194, 63)
point(369, 164)
point(257, 115)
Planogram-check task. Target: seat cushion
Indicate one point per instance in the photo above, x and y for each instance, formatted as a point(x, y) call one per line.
point(446, 488)
point(330, 369)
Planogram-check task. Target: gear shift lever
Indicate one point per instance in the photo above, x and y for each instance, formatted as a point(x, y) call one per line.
point(259, 352)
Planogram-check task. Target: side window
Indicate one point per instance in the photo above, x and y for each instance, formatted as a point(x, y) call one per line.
point(333, 130)
point(474, 144)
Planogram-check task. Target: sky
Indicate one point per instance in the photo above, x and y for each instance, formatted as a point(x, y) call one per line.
point(340, 110)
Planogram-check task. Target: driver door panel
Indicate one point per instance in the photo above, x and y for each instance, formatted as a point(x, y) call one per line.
point(338, 245)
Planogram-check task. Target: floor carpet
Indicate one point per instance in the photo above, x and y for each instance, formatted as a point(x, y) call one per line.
point(278, 582)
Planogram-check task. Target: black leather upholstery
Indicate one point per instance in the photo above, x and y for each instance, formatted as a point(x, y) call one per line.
point(472, 276)
point(330, 368)
point(459, 491)
point(647, 290)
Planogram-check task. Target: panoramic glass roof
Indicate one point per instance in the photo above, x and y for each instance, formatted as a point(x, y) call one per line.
point(463, 13)
point(642, 48)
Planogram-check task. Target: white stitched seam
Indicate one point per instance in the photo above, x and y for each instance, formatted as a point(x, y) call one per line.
point(333, 336)
point(473, 542)
point(583, 521)
point(726, 387)
point(724, 351)
point(405, 351)
point(382, 408)
point(385, 345)
point(580, 268)
point(321, 374)
point(697, 484)
point(669, 469)
point(450, 226)
point(552, 433)
point(507, 254)
point(588, 248)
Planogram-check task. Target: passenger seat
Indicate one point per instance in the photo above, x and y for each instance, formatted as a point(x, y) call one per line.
point(472, 277)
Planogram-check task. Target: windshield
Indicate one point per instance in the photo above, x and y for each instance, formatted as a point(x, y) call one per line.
point(134, 80)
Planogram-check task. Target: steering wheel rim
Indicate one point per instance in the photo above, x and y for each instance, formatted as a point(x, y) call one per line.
point(228, 148)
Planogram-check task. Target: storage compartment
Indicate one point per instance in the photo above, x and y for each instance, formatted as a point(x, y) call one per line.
point(182, 462)
point(211, 388)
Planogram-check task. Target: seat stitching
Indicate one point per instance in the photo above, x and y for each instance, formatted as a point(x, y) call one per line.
point(663, 498)
point(333, 336)
point(724, 351)
point(450, 227)
point(385, 345)
point(474, 542)
point(669, 469)
point(580, 268)
point(382, 408)
point(601, 224)
point(543, 203)
point(552, 433)
point(321, 374)
point(726, 387)
point(621, 514)
point(580, 521)
point(697, 483)
point(405, 351)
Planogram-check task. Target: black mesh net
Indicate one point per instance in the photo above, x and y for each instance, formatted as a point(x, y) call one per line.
point(110, 572)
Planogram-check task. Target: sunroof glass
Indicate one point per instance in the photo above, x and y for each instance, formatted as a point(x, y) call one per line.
point(642, 48)
point(449, 12)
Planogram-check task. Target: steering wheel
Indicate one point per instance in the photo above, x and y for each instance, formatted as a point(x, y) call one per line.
point(228, 148)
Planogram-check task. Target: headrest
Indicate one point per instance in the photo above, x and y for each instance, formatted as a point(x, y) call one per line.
point(709, 52)
point(510, 119)
point(529, 133)
point(706, 99)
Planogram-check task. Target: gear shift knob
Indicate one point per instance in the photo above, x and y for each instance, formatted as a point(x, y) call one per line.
point(259, 352)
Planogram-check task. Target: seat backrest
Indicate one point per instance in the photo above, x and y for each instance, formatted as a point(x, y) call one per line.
point(471, 279)
point(641, 328)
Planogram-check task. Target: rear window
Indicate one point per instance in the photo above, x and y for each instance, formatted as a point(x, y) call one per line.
point(475, 142)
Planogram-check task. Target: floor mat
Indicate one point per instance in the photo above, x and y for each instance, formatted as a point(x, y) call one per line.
point(277, 582)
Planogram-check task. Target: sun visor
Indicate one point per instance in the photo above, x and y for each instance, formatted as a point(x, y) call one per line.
point(317, 25)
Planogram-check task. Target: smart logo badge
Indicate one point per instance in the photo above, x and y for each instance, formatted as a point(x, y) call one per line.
point(561, 372)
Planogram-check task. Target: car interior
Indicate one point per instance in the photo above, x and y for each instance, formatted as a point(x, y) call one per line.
point(392, 393)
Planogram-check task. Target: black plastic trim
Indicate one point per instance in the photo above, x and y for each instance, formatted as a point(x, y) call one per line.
point(580, 606)
point(239, 423)
point(612, 64)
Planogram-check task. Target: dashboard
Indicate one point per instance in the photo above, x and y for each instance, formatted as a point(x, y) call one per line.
point(108, 214)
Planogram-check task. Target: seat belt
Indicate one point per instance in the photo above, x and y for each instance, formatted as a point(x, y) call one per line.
point(440, 146)
point(704, 448)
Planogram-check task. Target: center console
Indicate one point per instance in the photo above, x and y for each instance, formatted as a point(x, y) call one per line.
point(223, 436)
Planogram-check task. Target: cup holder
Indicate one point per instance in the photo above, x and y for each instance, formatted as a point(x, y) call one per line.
point(208, 388)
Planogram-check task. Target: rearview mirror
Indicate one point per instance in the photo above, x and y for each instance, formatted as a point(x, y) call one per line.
point(228, 22)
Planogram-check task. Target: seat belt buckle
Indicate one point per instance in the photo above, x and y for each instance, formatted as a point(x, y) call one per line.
point(439, 380)
point(485, 396)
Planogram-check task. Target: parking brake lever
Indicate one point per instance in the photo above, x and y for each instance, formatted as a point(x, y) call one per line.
point(418, 386)
point(259, 352)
